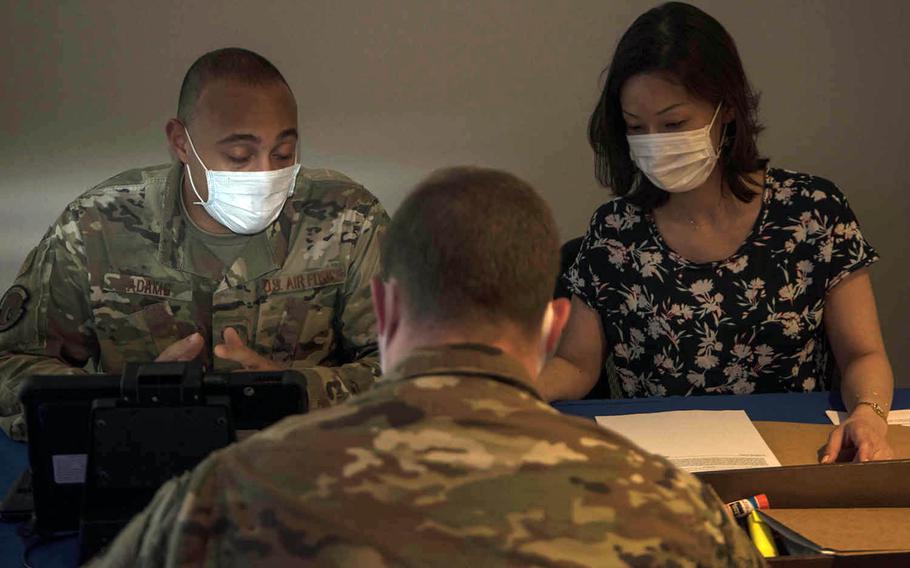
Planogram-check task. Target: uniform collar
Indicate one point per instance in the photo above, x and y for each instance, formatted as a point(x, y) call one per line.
point(265, 252)
point(472, 359)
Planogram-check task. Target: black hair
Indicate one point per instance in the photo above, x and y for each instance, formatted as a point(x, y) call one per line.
point(691, 47)
point(227, 63)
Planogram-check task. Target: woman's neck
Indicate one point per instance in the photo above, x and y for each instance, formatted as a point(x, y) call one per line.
point(707, 204)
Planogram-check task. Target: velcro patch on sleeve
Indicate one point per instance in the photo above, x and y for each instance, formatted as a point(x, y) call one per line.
point(12, 307)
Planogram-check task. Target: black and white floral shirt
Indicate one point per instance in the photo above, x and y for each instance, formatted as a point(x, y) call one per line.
point(750, 323)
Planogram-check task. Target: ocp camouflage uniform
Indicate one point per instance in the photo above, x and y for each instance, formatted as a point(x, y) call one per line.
point(117, 279)
point(451, 460)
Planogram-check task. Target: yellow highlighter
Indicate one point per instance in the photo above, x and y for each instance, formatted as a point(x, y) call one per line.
point(761, 535)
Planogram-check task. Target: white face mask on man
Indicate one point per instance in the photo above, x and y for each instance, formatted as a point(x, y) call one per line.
point(676, 161)
point(245, 202)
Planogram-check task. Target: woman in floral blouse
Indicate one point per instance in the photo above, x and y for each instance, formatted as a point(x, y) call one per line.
point(713, 273)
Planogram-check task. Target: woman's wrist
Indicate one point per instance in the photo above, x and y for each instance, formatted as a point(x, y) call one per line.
point(864, 410)
point(877, 408)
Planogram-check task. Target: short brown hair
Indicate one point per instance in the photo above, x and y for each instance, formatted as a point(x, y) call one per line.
point(473, 245)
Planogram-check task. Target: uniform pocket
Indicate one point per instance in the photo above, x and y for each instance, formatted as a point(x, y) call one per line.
point(136, 318)
point(317, 336)
point(280, 324)
point(140, 335)
point(295, 323)
point(166, 323)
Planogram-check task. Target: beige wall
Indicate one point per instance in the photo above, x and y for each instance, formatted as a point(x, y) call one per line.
point(390, 90)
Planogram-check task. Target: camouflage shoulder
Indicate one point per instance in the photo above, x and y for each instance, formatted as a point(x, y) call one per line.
point(329, 186)
point(349, 413)
point(136, 190)
point(135, 176)
point(130, 184)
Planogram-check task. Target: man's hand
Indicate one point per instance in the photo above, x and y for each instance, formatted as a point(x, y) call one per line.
point(185, 349)
point(233, 349)
point(862, 434)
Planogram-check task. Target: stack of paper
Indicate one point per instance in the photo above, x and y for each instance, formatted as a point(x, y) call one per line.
point(697, 440)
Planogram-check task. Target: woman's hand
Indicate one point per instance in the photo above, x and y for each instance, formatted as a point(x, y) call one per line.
point(861, 437)
point(851, 323)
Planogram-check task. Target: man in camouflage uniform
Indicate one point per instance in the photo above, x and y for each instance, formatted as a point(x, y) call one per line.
point(136, 269)
point(453, 459)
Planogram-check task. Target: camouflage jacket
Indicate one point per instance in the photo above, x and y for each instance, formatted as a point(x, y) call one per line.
point(451, 460)
point(116, 279)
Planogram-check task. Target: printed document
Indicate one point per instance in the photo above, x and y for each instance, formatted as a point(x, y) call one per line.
point(697, 440)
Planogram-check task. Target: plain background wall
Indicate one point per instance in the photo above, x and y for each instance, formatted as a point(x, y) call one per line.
point(391, 90)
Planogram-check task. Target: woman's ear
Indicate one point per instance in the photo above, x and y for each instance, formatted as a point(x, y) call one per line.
point(727, 115)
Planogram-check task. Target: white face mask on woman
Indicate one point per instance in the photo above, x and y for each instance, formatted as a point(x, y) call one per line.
point(245, 202)
point(676, 161)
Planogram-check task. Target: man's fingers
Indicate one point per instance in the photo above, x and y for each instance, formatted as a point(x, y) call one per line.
point(193, 348)
point(835, 440)
point(232, 338)
point(224, 352)
point(185, 349)
point(242, 355)
point(234, 349)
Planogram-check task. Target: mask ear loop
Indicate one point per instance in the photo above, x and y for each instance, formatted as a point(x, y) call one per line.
point(723, 140)
point(723, 133)
point(190, 173)
point(296, 163)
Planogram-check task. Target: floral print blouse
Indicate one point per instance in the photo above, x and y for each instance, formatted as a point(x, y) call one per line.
point(750, 323)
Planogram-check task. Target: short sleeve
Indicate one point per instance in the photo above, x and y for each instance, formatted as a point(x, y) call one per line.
point(847, 246)
point(581, 279)
point(605, 253)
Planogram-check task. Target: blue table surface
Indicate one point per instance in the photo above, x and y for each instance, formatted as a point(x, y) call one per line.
point(789, 407)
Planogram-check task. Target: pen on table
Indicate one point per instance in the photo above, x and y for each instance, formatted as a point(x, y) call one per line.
point(761, 535)
point(743, 507)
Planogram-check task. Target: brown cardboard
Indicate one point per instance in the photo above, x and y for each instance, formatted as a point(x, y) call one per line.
point(837, 490)
point(849, 530)
point(842, 485)
point(800, 444)
point(871, 560)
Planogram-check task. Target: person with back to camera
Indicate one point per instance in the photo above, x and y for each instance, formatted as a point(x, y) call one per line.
point(453, 458)
point(712, 272)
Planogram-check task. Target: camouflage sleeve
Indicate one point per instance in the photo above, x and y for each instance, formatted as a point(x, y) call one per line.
point(691, 519)
point(148, 540)
point(355, 322)
point(45, 320)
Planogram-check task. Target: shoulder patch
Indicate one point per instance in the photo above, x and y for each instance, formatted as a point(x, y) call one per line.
point(12, 307)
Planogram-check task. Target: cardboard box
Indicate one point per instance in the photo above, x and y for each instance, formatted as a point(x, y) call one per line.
point(800, 444)
point(859, 512)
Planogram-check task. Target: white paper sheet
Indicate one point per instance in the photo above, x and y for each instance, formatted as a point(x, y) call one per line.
point(697, 440)
point(901, 417)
